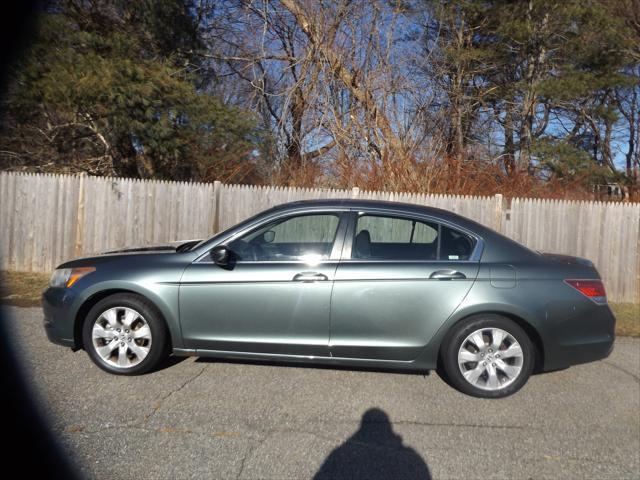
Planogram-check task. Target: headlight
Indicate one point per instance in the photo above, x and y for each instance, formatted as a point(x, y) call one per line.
point(65, 277)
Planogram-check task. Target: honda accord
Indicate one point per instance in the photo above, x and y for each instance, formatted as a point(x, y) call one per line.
point(340, 282)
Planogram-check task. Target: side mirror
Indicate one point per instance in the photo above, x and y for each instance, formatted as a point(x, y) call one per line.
point(220, 255)
point(269, 236)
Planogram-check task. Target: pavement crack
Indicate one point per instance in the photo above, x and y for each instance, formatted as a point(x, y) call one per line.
point(111, 427)
point(243, 460)
point(460, 425)
point(334, 439)
point(560, 458)
point(631, 374)
point(250, 450)
point(159, 404)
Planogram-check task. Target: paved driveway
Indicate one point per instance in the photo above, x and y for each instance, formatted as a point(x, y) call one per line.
point(209, 419)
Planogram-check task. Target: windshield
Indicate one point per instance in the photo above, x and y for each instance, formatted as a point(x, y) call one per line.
point(226, 231)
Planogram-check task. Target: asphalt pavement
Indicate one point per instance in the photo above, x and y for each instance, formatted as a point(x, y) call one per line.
point(198, 418)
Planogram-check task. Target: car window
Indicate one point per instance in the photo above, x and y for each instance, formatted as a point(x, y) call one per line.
point(393, 238)
point(299, 238)
point(455, 245)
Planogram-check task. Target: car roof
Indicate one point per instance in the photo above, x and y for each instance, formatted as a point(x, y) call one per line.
point(396, 207)
point(362, 203)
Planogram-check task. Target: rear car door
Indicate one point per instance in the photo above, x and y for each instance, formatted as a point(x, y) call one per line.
point(400, 278)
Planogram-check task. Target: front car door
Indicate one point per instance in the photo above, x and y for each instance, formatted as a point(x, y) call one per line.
point(400, 278)
point(274, 296)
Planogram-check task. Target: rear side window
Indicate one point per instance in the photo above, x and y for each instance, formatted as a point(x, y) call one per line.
point(455, 245)
point(393, 238)
point(396, 238)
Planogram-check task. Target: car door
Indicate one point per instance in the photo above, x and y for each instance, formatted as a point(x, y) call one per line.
point(273, 297)
point(399, 280)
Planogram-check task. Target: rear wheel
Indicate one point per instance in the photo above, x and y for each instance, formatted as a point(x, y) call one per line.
point(124, 334)
point(488, 356)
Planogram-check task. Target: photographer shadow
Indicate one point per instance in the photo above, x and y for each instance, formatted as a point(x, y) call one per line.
point(373, 452)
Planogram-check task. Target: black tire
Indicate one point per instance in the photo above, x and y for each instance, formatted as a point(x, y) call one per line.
point(159, 345)
point(451, 372)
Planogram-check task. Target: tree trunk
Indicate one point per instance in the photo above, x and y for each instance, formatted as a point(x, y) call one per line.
point(632, 151)
point(340, 71)
point(509, 155)
point(294, 146)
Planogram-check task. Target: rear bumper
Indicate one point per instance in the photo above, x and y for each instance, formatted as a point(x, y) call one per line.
point(58, 320)
point(582, 353)
point(586, 336)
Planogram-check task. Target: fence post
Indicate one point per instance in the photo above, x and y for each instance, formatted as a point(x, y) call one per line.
point(79, 243)
point(497, 219)
point(216, 205)
point(637, 292)
point(355, 192)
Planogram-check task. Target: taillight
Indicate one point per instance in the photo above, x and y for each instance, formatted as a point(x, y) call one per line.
point(594, 289)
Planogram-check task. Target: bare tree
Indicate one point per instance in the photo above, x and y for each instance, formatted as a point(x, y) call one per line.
point(329, 80)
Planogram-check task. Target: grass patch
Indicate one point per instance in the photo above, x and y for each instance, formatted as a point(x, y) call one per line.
point(628, 319)
point(23, 289)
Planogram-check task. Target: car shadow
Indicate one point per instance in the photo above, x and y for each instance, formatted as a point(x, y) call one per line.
point(375, 451)
point(314, 366)
point(169, 362)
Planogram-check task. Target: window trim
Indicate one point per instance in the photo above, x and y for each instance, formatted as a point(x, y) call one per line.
point(474, 257)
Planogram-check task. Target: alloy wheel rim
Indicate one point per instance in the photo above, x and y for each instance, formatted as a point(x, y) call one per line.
point(121, 337)
point(490, 359)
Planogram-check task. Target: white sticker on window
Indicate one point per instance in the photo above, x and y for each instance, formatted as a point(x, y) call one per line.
point(453, 257)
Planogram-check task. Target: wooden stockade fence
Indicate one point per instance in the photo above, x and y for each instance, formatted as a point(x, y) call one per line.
point(47, 219)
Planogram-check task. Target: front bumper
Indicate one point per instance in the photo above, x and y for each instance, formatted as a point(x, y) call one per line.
point(58, 319)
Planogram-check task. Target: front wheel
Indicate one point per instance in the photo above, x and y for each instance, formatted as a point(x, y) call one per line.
point(124, 334)
point(488, 356)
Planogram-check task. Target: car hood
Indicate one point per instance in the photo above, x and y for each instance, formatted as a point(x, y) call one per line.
point(177, 246)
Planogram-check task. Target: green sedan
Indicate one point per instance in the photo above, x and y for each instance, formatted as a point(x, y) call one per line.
point(340, 282)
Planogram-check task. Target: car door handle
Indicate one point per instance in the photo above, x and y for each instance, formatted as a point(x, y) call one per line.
point(447, 275)
point(310, 277)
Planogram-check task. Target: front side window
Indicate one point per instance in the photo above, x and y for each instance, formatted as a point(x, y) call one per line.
point(394, 238)
point(300, 238)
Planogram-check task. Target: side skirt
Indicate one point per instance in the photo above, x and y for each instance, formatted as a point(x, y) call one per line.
point(413, 366)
